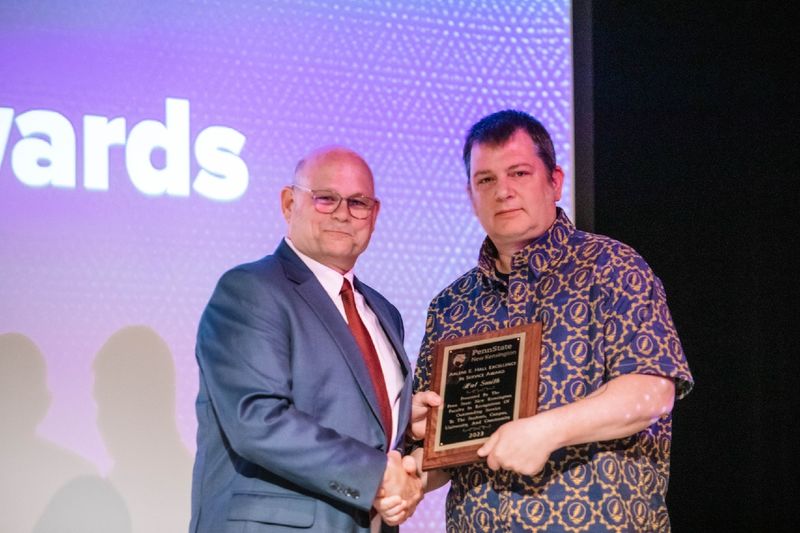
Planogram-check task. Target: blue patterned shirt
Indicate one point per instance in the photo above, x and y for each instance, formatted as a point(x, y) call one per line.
point(604, 314)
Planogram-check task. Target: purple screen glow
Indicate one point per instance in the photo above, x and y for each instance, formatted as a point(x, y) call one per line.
point(142, 150)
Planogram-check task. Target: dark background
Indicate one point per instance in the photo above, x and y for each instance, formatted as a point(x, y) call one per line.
point(693, 162)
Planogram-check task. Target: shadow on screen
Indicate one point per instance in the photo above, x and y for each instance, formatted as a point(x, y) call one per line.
point(85, 505)
point(135, 394)
point(32, 469)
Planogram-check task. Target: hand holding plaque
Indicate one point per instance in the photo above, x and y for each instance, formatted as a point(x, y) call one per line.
point(484, 380)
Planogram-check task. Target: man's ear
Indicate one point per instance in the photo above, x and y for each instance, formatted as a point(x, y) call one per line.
point(557, 180)
point(287, 202)
point(374, 214)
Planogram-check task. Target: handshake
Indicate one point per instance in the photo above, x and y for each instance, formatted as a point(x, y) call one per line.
point(403, 480)
point(401, 490)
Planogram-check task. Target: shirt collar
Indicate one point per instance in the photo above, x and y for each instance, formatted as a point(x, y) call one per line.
point(539, 255)
point(330, 279)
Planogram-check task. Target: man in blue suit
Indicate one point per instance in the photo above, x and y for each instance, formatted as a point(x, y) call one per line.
point(296, 429)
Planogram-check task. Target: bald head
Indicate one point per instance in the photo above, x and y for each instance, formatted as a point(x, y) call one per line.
point(329, 155)
point(334, 239)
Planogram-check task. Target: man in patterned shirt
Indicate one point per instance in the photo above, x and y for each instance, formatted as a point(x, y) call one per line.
point(595, 457)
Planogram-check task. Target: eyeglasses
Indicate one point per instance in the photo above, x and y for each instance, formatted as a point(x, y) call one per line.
point(327, 201)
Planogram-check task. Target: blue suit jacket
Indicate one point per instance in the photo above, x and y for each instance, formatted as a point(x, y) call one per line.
point(289, 432)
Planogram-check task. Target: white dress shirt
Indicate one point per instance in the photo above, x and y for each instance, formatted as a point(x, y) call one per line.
point(331, 281)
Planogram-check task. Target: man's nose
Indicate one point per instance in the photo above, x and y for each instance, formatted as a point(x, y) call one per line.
point(503, 189)
point(342, 212)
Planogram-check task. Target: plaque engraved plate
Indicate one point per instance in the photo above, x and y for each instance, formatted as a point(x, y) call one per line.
point(485, 380)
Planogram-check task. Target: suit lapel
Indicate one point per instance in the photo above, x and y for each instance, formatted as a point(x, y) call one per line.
point(385, 318)
point(378, 306)
point(310, 290)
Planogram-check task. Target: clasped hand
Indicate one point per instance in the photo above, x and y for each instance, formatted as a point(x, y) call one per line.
point(401, 490)
point(520, 446)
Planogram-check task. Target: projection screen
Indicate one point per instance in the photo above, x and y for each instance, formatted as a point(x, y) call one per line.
point(143, 146)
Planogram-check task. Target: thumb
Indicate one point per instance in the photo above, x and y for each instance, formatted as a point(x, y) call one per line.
point(394, 455)
point(488, 446)
point(410, 465)
point(426, 398)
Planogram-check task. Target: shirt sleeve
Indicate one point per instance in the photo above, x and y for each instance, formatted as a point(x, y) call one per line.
point(639, 335)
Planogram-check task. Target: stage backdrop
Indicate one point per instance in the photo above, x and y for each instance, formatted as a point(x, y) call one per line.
point(143, 146)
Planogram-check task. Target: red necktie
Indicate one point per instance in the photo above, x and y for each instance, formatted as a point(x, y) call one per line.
point(364, 342)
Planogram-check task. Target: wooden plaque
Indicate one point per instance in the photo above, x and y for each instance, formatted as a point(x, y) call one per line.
point(485, 380)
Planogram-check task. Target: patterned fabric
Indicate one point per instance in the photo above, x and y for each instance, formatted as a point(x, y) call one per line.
point(604, 314)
